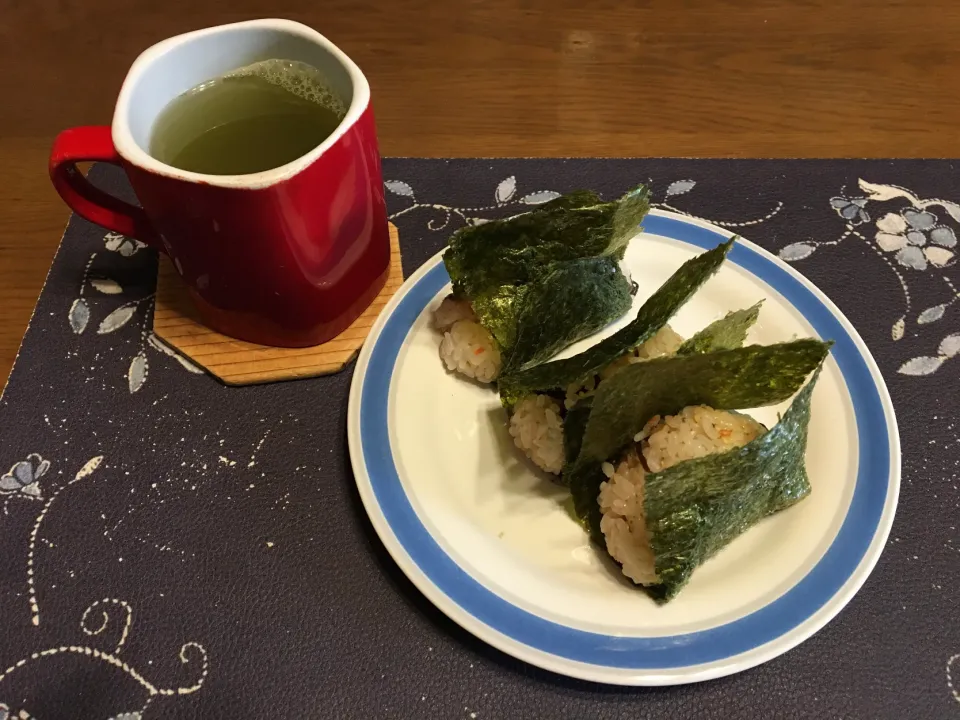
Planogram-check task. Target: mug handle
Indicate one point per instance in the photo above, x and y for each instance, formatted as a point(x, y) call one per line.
point(95, 143)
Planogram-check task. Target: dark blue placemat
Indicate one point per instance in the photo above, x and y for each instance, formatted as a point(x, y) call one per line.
point(175, 548)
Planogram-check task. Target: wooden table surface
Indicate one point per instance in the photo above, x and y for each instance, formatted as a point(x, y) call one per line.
point(709, 78)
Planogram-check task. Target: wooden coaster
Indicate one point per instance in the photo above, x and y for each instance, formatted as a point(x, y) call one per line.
point(235, 362)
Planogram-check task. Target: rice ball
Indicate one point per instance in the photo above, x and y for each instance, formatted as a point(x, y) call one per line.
point(623, 522)
point(469, 349)
point(537, 429)
point(692, 433)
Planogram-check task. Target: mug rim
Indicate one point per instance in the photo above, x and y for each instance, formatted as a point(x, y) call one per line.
point(131, 151)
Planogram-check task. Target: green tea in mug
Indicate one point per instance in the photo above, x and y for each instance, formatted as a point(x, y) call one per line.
point(252, 119)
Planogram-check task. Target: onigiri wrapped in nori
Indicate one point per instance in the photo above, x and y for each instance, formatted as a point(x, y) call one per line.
point(694, 432)
point(533, 432)
point(537, 421)
point(527, 287)
point(534, 415)
point(667, 472)
point(467, 347)
point(558, 375)
point(645, 429)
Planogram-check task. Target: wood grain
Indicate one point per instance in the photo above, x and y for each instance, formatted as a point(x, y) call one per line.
point(176, 323)
point(732, 78)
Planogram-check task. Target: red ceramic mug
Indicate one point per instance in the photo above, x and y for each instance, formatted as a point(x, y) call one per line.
point(287, 257)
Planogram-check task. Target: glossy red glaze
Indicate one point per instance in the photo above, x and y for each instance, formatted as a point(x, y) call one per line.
point(291, 264)
point(94, 144)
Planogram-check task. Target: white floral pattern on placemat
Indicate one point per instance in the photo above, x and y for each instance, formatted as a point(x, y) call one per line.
point(505, 195)
point(23, 478)
point(913, 243)
point(82, 310)
point(191, 653)
point(682, 187)
point(954, 689)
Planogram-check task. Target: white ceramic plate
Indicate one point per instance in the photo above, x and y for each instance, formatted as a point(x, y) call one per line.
point(486, 539)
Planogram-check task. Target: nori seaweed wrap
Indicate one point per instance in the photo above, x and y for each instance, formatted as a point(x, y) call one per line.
point(534, 284)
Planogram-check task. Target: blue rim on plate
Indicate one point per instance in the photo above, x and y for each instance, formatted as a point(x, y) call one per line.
point(845, 565)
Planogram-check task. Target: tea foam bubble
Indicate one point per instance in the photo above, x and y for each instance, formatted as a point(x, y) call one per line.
point(297, 78)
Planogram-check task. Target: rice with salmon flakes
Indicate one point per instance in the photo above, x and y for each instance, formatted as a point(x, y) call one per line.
point(467, 347)
point(694, 432)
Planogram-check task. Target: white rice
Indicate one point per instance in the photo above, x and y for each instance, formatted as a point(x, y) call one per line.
point(665, 342)
point(467, 348)
point(537, 429)
point(451, 310)
point(694, 432)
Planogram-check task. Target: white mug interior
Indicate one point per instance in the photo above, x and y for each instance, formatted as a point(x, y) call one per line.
point(180, 63)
